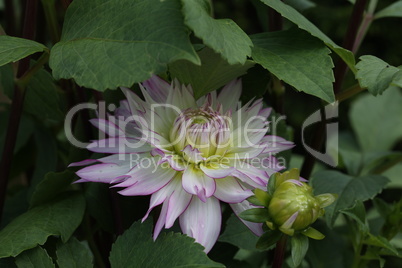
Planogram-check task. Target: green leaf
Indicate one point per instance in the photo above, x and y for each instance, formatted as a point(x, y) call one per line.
point(213, 73)
point(358, 213)
point(285, 55)
point(393, 10)
point(298, 19)
point(33, 258)
point(107, 44)
point(237, 233)
point(28, 230)
point(268, 239)
point(375, 74)
point(13, 49)
point(224, 36)
point(382, 242)
point(377, 128)
point(136, 248)
point(255, 215)
point(313, 233)
point(348, 188)
point(42, 98)
point(51, 187)
point(74, 254)
point(300, 5)
point(299, 247)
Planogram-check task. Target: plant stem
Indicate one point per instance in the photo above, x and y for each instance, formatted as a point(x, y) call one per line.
point(280, 252)
point(17, 105)
point(10, 18)
point(51, 19)
point(91, 243)
point(348, 93)
point(349, 41)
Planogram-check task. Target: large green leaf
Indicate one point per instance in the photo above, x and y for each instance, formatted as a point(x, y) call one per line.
point(107, 44)
point(375, 74)
point(393, 10)
point(237, 233)
point(377, 120)
point(223, 36)
point(135, 248)
point(286, 53)
point(348, 188)
point(33, 258)
point(60, 217)
point(213, 73)
point(51, 187)
point(291, 14)
point(13, 48)
point(74, 254)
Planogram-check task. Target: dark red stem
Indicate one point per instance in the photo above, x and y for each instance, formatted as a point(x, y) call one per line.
point(17, 104)
point(280, 250)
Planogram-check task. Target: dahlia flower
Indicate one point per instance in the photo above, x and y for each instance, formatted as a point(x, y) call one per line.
point(188, 154)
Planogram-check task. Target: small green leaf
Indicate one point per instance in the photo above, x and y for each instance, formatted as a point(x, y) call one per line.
point(107, 44)
point(285, 55)
point(268, 239)
point(358, 213)
point(51, 187)
point(313, 233)
point(326, 199)
point(13, 49)
point(60, 217)
point(299, 247)
point(136, 248)
point(74, 254)
point(237, 233)
point(382, 242)
point(375, 74)
point(255, 215)
point(262, 196)
point(298, 19)
point(224, 36)
point(348, 188)
point(393, 10)
point(384, 128)
point(33, 258)
point(213, 73)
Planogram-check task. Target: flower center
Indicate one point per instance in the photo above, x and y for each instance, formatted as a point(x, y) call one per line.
point(203, 129)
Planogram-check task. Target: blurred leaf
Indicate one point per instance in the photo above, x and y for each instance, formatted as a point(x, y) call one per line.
point(382, 242)
point(285, 55)
point(136, 248)
point(384, 127)
point(299, 248)
point(358, 213)
point(348, 188)
point(237, 233)
point(41, 98)
point(46, 156)
point(213, 73)
point(51, 187)
point(7, 263)
point(28, 230)
point(375, 74)
point(33, 258)
point(393, 10)
point(74, 254)
point(255, 215)
point(97, 196)
point(120, 42)
point(14, 206)
point(394, 175)
point(291, 14)
point(224, 36)
point(255, 83)
point(13, 49)
point(25, 131)
point(377, 163)
point(300, 5)
point(268, 239)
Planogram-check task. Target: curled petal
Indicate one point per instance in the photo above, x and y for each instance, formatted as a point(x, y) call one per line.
point(238, 208)
point(196, 182)
point(202, 221)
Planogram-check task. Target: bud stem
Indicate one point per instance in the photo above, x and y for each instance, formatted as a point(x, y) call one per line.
point(280, 252)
